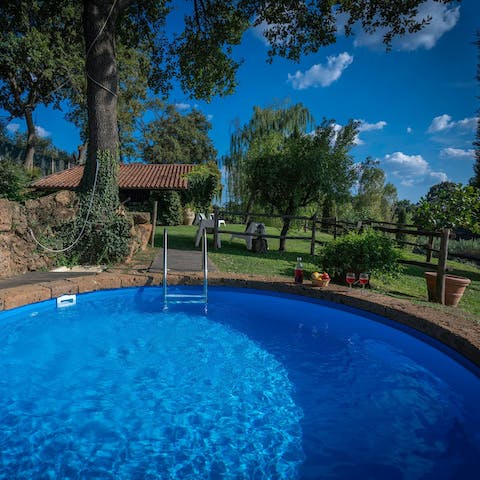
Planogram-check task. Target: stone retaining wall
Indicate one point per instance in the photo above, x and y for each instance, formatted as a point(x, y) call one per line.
point(449, 327)
point(19, 253)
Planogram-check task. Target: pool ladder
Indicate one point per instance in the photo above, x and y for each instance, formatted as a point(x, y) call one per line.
point(181, 297)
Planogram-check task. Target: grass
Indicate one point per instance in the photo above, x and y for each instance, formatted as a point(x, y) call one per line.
point(235, 258)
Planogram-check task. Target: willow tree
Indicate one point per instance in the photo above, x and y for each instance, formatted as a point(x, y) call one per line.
point(283, 120)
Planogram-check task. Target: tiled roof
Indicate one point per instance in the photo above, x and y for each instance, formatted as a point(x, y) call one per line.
point(142, 176)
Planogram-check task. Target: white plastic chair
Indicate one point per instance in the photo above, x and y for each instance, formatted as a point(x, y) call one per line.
point(220, 221)
point(199, 217)
point(203, 225)
point(247, 235)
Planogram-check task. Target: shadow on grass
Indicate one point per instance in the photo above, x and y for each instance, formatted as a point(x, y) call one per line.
point(416, 271)
point(184, 242)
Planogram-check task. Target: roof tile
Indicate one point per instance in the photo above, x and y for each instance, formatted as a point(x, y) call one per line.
point(131, 176)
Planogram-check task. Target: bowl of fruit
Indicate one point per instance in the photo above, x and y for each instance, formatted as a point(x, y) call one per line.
point(320, 279)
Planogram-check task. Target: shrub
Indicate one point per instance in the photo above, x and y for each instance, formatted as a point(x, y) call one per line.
point(169, 207)
point(14, 180)
point(369, 252)
point(106, 238)
point(465, 247)
point(204, 184)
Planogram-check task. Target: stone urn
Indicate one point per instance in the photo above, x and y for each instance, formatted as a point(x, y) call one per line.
point(454, 288)
point(188, 216)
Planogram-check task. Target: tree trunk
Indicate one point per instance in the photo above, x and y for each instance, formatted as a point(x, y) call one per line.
point(283, 233)
point(30, 146)
point(102, 83)
point(251, 199)
point(80, 157)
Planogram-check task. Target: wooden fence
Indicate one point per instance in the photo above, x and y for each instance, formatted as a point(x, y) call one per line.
point(340, 227)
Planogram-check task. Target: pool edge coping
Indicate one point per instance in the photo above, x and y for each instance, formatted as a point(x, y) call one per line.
point(450, 328)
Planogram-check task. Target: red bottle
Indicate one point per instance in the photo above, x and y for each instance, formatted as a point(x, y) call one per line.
point(299, 271)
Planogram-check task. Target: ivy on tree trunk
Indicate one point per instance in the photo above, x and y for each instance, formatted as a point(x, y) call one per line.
point(99, 21)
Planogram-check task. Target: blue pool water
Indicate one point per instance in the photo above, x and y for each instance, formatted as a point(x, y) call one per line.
point(262, 386)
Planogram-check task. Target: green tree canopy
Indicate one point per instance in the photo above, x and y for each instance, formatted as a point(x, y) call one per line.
point(204, 184)
point(173, 137)
point(282, 119)
point(288, 172)
point(41, 57)
point(375, 199)
point(449, 205)
point(200, 56)
point(475, 180)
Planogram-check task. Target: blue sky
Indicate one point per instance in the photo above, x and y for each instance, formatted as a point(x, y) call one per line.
point(417, 103)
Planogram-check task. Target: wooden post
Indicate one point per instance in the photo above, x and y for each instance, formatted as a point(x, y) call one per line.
point(314, 227)
point(215, 227)
point(429, 249)
point(442, 266)
point(335, 228)
point(154, 221)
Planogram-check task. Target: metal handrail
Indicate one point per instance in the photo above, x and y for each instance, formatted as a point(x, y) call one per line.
point(205, 265)
point(165, 268)
point(165, 261)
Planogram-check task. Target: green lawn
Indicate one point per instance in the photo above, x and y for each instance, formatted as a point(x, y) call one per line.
point(234, 257)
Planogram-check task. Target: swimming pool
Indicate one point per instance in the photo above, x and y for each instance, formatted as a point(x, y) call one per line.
point(263, 386)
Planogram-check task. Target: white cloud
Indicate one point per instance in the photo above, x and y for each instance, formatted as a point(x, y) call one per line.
point(412, 169)
point(457, 153)
point(440, 123)
point(209, 116)
point(438, 176)
point(445, 122)
point(367, 127)
point(443, 19)
point(409, 130)
point(13, 127)
point(321, 75)
point(182, 106)
point(41, 132)
point(259, 32)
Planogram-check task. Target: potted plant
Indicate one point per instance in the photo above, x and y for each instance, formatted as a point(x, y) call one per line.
point(454, 288)
point(188, 214)
point(448, 205)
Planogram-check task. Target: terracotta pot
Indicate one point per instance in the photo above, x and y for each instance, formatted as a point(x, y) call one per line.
point(454, 288)
point(188, 216)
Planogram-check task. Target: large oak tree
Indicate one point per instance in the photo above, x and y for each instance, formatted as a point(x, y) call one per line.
point(200, 56)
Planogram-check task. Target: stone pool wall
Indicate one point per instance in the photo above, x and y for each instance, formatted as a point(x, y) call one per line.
point(449, 326)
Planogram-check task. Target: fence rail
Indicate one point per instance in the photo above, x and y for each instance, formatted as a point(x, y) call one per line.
point(337, 226)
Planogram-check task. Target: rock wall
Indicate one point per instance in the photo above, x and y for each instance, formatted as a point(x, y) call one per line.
point(141, 231)
point(18, 251)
